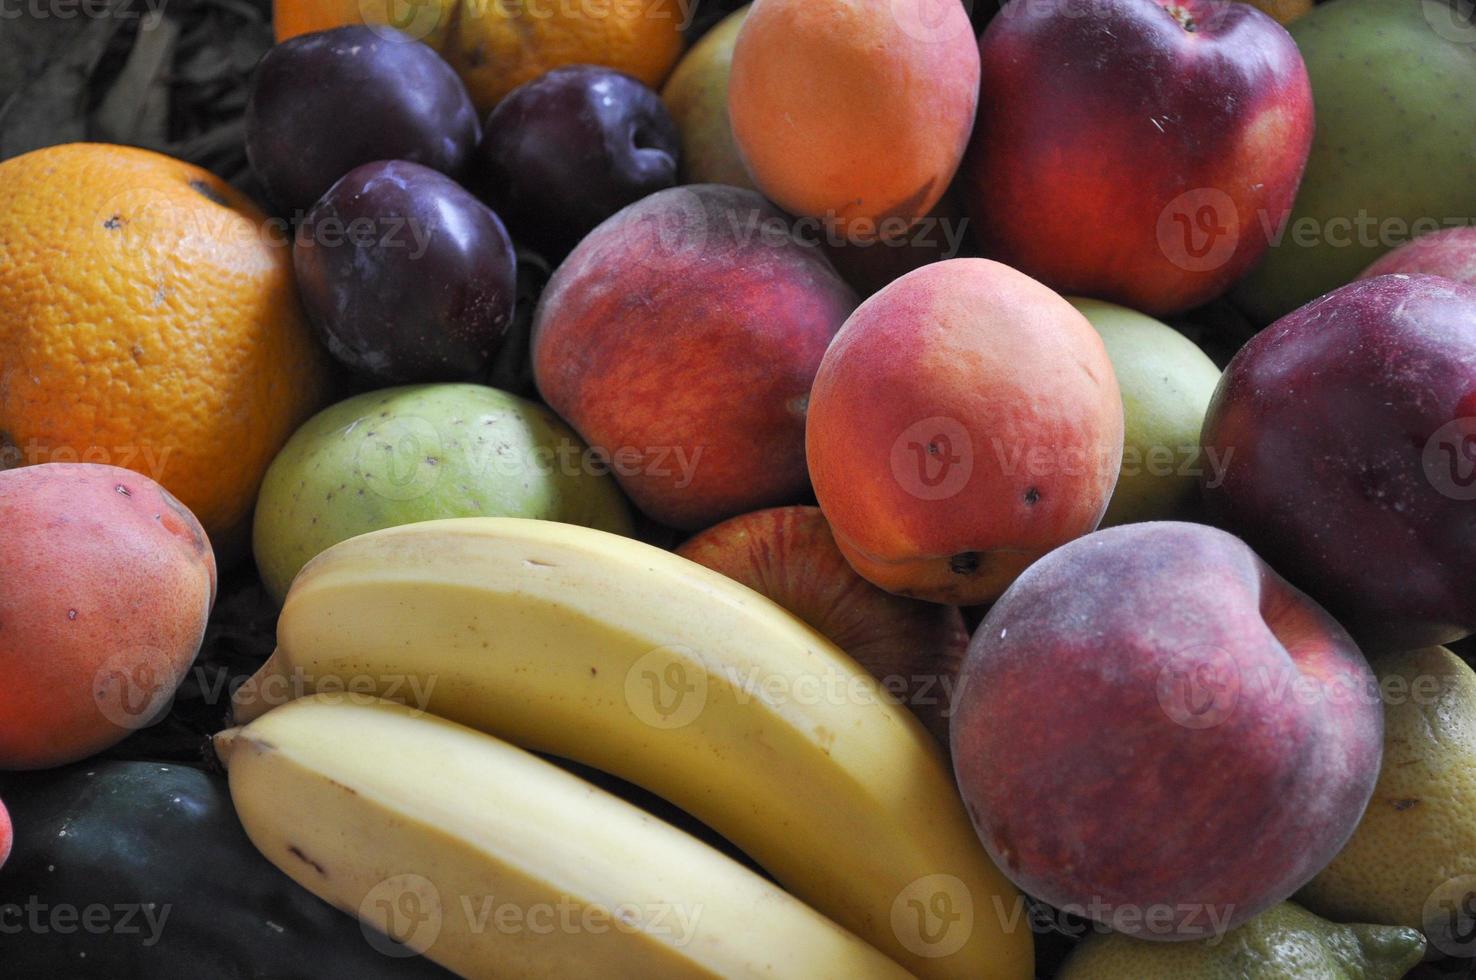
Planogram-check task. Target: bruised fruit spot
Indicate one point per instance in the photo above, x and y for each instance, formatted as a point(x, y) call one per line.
point(1402, 805)
point(71, 614)
point(1032, 496)
point(296, 852)
point(114, 223)
point(120, 488)
point(964, 563)
point(206, 191)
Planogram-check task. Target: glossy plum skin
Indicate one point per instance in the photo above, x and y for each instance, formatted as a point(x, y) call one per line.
point(1352, 428)
point(322, 104)
point(1121, 156)
point(1151, 718)
point(405, 275)
point(570, 148)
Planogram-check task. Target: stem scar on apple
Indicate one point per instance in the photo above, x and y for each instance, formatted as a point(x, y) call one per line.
point(1182, 15)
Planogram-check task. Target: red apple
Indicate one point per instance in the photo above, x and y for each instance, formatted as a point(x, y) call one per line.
point(1155, 730)
point(680, 338)
point(1450, 253)
point(789, 555)
point(1348, 435)
point(1140, 151)
point(965, 421)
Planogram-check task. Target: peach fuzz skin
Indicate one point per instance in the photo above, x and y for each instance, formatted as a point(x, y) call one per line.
point(1208, 734)
point(693, 372)
point(854, 111)
point(965, 421)
point(106, 582)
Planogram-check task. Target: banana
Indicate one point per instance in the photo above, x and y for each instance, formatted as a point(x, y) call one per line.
point(495, 863)
point(632, 660)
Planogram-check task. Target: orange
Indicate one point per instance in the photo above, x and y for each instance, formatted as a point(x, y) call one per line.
point(496, 45)
point(148, 319)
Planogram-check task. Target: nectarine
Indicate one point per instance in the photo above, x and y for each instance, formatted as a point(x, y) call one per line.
point(1153, 729)
point(680, 339)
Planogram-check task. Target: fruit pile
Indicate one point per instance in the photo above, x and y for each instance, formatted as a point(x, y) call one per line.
point(883, 492)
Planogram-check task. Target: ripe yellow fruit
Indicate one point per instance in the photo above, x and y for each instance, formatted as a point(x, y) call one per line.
point(1412, 859)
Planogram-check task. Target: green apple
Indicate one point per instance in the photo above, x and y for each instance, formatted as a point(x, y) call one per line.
point(696, 95)
point(422, 453)
point(1166, 385)
point(1392, 157)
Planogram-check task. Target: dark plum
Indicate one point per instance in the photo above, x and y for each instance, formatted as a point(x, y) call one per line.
point(322, 104)
point(565, 151)
point(406, 275)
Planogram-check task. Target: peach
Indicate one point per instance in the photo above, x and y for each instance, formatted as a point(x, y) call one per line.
point(789, 555)
point(965, 421)
point(1154, 729)
point(106, 581)
point(680, 339)
point(854, 111)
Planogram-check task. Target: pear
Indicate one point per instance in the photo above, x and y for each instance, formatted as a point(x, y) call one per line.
point(1284, 941)
point(420, 453)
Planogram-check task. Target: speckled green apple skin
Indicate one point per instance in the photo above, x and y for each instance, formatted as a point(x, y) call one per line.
point(1395, 125)
point(421, 453)
point(1166, 384)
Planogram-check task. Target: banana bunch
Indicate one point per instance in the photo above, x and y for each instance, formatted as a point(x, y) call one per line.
point(498, 864)
point(632, 660)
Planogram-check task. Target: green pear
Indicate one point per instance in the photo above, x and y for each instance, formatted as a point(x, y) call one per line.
point(1395, 150)
point(696, 95)
point(1166, 384)
point(421, 453)
point(1285, 941)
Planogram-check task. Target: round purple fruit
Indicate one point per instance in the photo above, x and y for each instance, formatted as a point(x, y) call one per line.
point(406, 275)
point(322, 104)
point(565, 151)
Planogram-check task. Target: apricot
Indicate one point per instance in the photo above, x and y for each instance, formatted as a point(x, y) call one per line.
point(965, 421)
point(106, 582)
point(856, 112)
